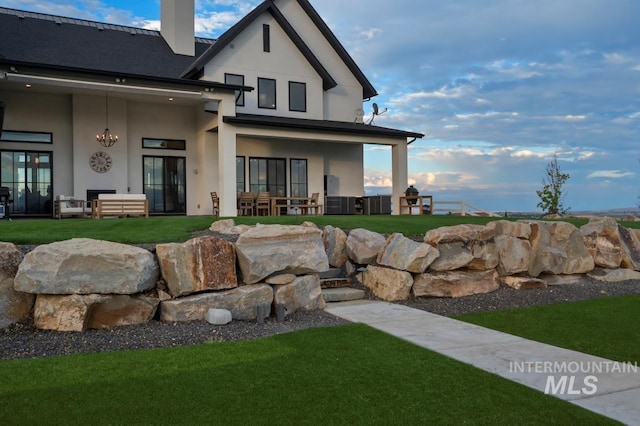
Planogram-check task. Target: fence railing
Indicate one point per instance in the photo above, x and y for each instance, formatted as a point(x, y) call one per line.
point(462, 208)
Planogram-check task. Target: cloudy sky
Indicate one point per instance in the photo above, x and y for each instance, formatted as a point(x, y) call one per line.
point(497, 86)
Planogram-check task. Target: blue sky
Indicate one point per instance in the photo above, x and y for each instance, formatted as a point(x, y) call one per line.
point(497, 86)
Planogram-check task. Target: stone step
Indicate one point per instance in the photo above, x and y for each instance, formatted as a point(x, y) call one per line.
point(342, 294)
point(331, 273)
point(335, 282)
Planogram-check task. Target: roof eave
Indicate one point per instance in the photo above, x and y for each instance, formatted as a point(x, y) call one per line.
point(45, 69)
point(324, 126)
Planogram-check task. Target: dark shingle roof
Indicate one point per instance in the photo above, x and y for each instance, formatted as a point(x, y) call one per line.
point(73, 43)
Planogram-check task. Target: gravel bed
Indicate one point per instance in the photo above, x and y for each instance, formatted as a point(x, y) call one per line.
point(25, 341)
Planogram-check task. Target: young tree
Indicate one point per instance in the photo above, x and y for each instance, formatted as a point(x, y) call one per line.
point(551, 196)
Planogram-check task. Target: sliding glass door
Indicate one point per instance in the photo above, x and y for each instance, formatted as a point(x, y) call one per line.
point(268, 175)
point(27, 174)
point(165, 184)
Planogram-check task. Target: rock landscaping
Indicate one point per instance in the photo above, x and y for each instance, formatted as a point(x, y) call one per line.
point(83, 284)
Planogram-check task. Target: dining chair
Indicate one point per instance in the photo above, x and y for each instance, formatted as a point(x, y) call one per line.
point(246, 203)
point(215, 201)
point(263, 204)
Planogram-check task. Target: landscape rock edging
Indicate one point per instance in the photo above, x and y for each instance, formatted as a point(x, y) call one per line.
point(73, 294)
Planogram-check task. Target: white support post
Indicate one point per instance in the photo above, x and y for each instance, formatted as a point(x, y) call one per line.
point(227, 140)
point(399, 174)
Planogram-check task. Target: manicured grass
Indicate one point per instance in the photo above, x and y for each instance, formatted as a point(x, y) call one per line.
point(350, 374)
point(180, 228)
point(604, 327)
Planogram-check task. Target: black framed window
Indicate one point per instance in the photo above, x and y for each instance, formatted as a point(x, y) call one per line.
point(240, 180)
point(266, 38)
point(31, 137)
point(299, 178)
point(266, 93)
point(268, 175)
point(179, 144)
point(238, 80)
point(297, 96)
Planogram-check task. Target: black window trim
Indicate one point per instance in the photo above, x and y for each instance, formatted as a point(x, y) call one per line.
point(25, 132)
point(306, 171)
point(304, 93)
point(244, 171)
point(165, 139)
point(266, 38)
point(286, 170)
point(239, 93)
point(275, 93)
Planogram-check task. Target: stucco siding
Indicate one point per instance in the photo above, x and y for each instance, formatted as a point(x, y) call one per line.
point(39, 112)
point(284, 63)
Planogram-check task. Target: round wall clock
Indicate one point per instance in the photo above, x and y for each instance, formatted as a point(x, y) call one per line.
point(100, 161)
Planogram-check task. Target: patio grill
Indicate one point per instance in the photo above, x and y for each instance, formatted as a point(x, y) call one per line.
point(5, 200)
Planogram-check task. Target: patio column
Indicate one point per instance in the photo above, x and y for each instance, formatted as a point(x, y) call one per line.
point(227, 157)
point(399, 174)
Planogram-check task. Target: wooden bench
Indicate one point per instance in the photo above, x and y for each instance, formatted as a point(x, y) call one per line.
point(120, 205)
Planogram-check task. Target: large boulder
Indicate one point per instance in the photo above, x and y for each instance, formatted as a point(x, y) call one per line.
point(463, 246)
point(455, 283)
point(614, 275)
point(200, 264)
point(363, 246)
point(602, 239)
point(485, 255)
point(513, 229)
point(222, 226)
point(388, 284)
point(15, 306)
point(630, 239)
point(514, 255)
point(269, 249)
point(405, 254)
point(86, 266)
point(453, 255)
point(303, 294)
point(81, 312)
point(558, 248)
point(242, 302)
point(459, 233)
point(335, 244)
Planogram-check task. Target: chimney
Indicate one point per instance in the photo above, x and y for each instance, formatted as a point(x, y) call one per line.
point(177, 25)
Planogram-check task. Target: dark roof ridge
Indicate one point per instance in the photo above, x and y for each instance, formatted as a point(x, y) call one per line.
point(22, 14)
point(368, 91)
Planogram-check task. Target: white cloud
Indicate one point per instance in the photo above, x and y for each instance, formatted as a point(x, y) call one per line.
point(370, 33)
point(609, 174)
point(616, 58)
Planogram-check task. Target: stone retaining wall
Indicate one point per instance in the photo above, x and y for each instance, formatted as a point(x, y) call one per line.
point(82, 283)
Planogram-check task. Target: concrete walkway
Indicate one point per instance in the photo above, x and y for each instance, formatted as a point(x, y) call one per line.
point(600, 385)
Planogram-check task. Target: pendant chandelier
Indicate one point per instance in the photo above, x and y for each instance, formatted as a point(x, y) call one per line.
point(106, 139)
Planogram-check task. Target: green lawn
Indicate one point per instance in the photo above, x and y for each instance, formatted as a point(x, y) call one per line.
point(350, 374)
point(604, 327)
point(180, 228)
